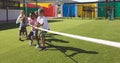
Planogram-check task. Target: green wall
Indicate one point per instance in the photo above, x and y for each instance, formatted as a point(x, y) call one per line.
point(102, 9)
point(29, 10)
point(118, 9)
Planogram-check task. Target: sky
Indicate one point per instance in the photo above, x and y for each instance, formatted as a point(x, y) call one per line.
point(85, 0)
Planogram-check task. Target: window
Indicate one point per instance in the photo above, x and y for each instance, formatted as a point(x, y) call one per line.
point(1, 4)
point(11, 4)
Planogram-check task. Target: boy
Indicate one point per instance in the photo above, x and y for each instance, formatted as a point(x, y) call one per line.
point(33, 32)
point(43, 23)
point(22, 21)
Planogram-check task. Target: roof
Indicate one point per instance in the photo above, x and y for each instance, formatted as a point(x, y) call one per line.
point(70, 1)
point(63, 1)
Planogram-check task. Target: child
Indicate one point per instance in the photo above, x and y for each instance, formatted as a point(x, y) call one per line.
point(22, 24)
point(33, 32)
point(43, 23)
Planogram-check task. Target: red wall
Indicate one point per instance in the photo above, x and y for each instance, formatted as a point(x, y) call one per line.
point(50, 11)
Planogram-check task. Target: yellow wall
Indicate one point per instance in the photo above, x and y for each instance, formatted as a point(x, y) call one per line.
point(80, 9)
point(43, 4)
point(21, 5)
point(40, 4)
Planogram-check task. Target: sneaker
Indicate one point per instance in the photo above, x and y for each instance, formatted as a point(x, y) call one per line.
point(30, 43)
point(37, 46)
point(43, 48)
point(20, 39)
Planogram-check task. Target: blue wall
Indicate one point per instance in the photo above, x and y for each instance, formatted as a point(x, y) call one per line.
point(69, 10)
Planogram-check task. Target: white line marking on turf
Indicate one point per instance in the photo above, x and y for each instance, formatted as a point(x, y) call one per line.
point(94, 40)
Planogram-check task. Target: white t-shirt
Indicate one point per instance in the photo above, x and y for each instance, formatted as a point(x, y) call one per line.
point(19, 19)
point(43, 21)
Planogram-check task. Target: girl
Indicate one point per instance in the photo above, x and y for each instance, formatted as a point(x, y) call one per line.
point(33, 32)
point(22, 21)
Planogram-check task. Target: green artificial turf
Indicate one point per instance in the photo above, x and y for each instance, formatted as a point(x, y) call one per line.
point(62, 49)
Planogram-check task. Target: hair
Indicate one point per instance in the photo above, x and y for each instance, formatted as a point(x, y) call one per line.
point(36, 12)
point(40, 10)
point(32, 13)
point(21, 11)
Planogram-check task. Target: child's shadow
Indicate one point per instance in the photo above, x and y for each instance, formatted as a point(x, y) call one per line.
point(64, 49)
point(50, 38)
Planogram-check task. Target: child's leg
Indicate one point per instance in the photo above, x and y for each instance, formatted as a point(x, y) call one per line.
point(20, 34)
point(37, 39)
point(31, 40)
point(42, 37)
point(43, 41)
point(21, 31)
point(26, 32)
point(30, 36)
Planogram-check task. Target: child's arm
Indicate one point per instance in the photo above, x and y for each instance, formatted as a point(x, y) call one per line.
point(40, 24)
point(37, 25)
point(29, 21)
point(18, 20)
point(30, 24)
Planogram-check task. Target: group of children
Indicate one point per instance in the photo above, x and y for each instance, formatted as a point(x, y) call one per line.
point(35, 20)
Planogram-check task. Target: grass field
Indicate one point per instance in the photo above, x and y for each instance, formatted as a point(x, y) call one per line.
point(62, 49)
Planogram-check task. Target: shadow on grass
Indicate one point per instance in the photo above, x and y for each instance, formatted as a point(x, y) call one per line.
point(6, 26)
point(56, 40)
point(54, 20)
point(76, 51)
point(50, 35)
point(50, 38)
point(64, 49)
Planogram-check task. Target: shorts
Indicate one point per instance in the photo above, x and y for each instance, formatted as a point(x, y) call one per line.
point(22, 29)
point(18, 24)
point(33, 33)
point(42, 33)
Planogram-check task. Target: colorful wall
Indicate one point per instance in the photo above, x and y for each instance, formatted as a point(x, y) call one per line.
point(80, 9)
point(117, 9)
point(102, 9)
point(69, 10)
point(49, 8)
